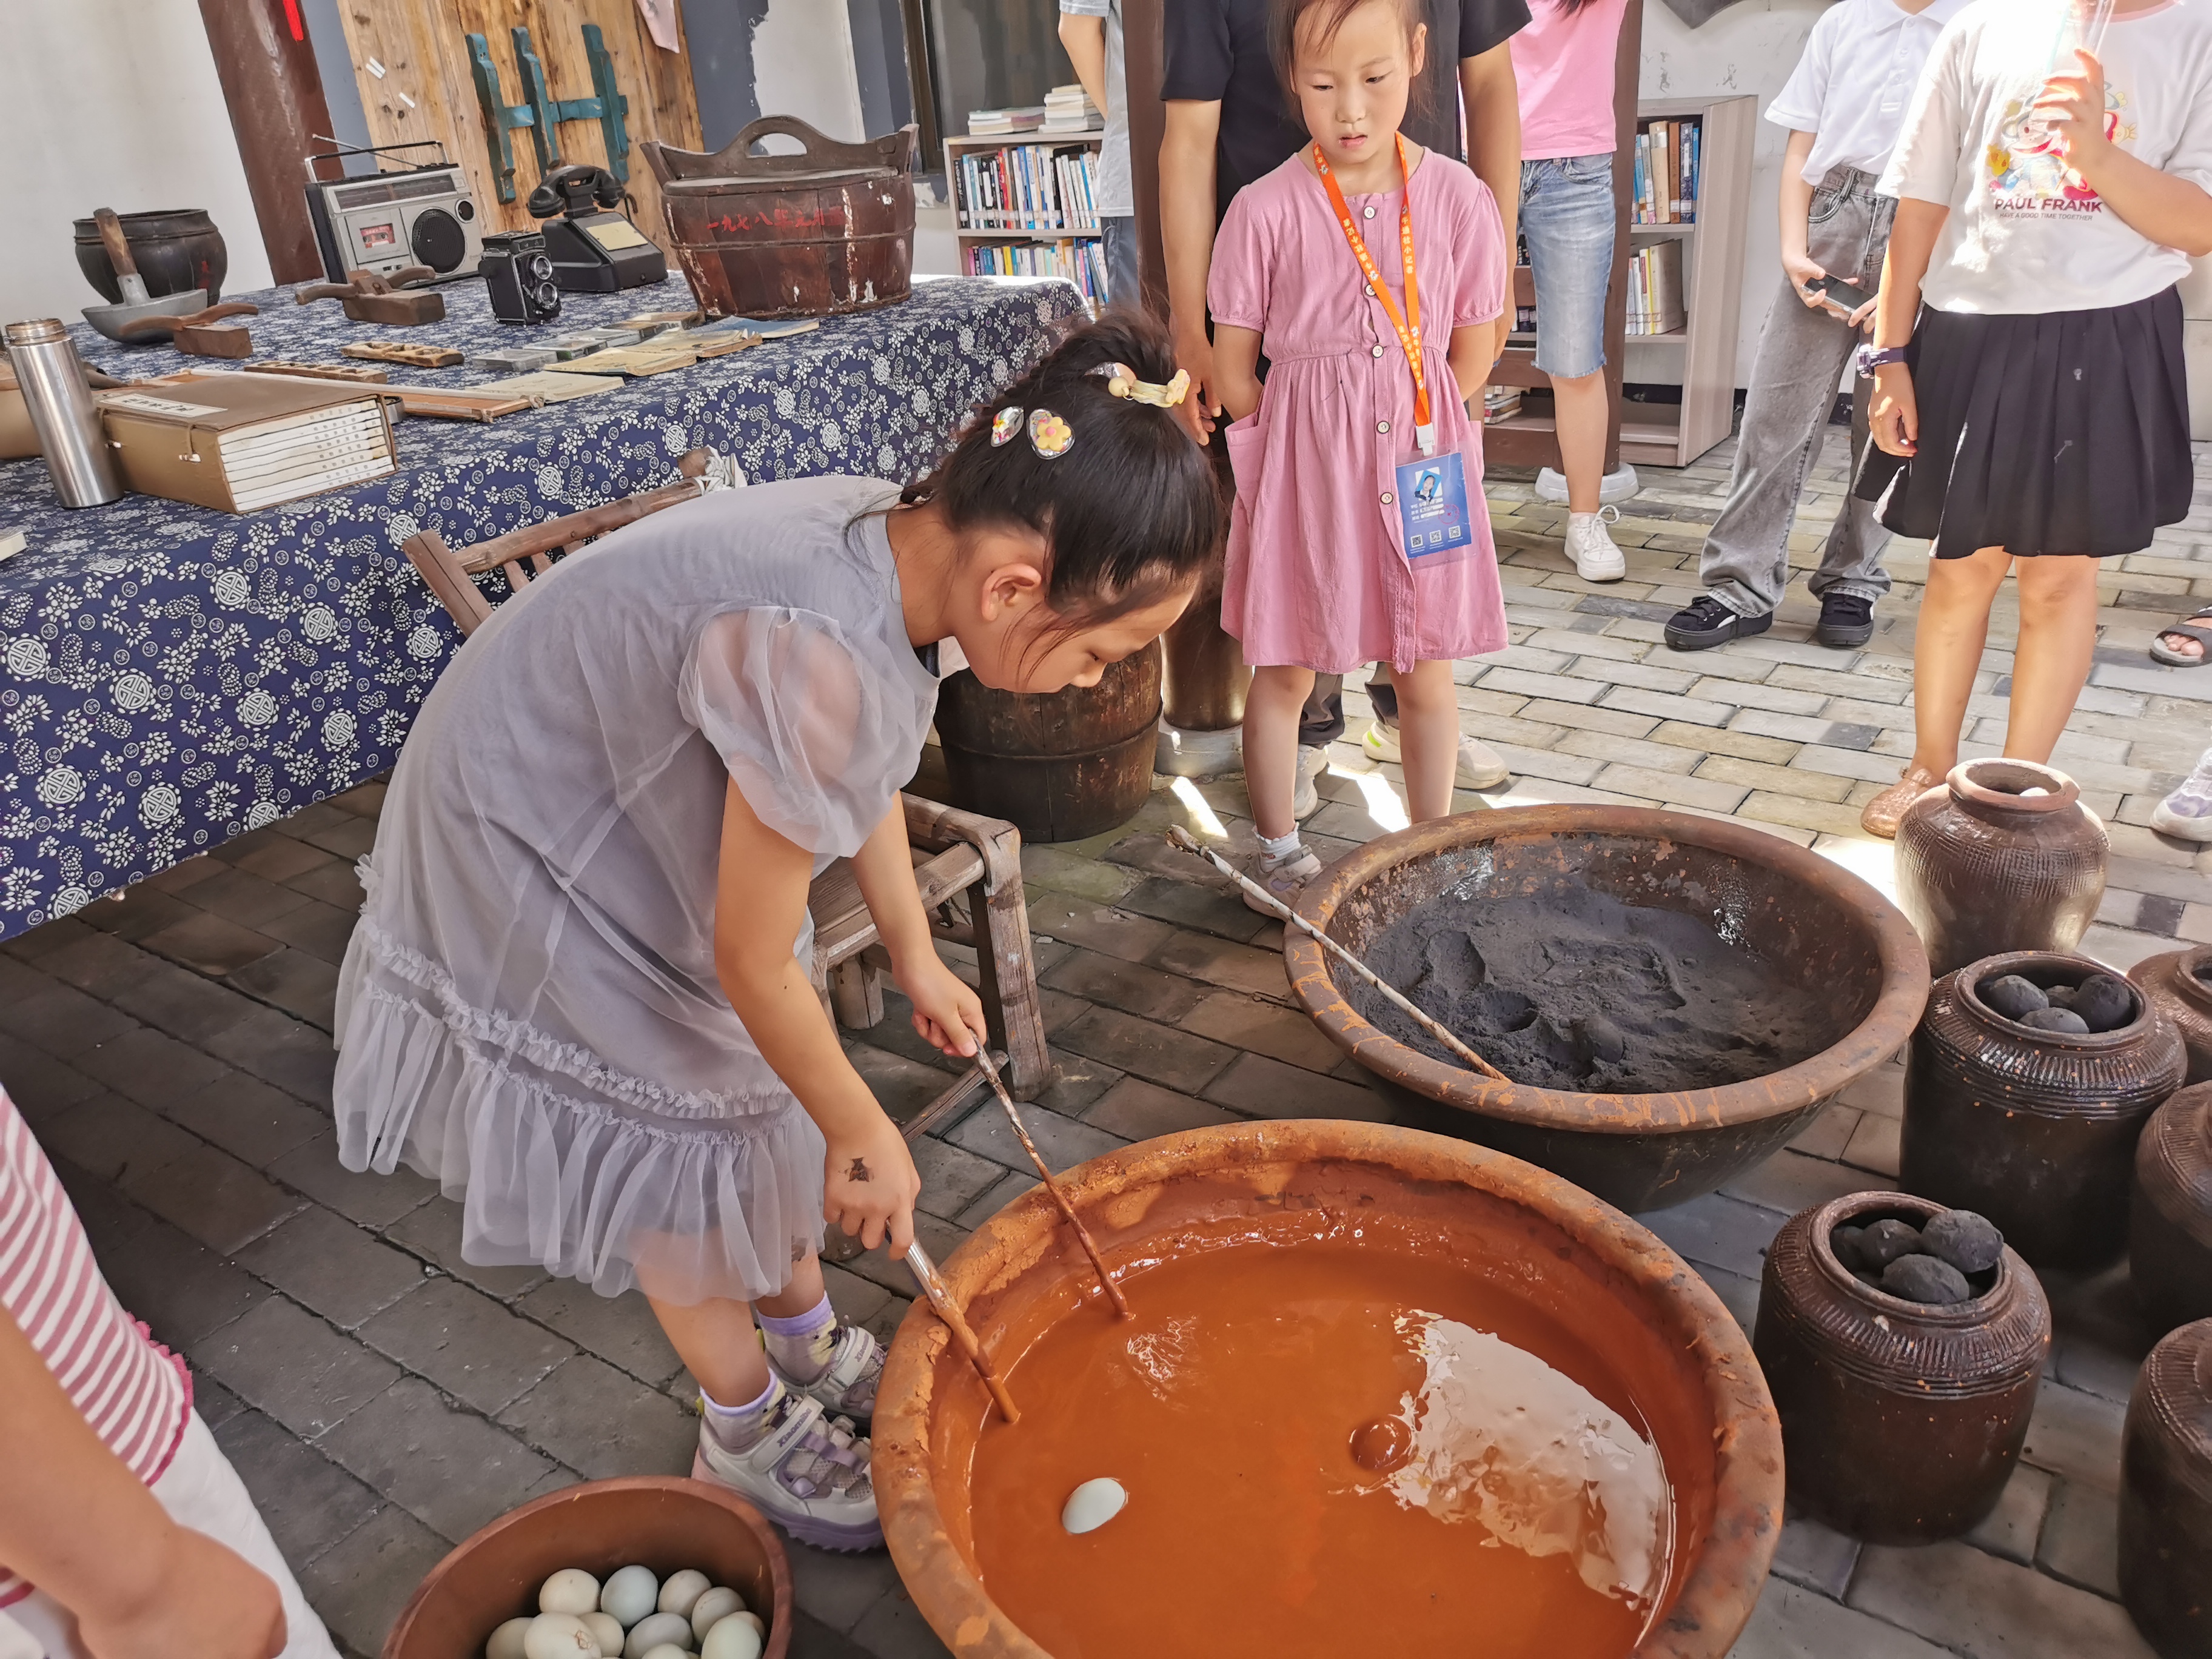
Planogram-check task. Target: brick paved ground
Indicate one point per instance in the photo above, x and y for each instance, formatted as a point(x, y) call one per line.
point(383, 1398)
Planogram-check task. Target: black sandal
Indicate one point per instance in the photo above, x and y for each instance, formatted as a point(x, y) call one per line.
point(2186, 626)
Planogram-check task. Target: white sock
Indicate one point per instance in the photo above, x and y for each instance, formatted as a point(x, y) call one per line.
point(738, 1428)
point(1280, 847)
point(801, 1347)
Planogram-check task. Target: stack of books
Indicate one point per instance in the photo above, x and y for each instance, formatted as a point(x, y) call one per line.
point(1500, 402)
point(1654, 290)
point(1027, 187)
point(1083, 264)
point(1069, 109)
point(990, 123)
point(240, 442)
point(1666, 172)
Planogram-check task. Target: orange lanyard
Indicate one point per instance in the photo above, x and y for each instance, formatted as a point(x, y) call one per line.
point(1409, 324)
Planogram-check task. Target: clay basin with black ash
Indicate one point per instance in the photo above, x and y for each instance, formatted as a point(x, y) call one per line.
point(1851, 963)
point(967, 1499)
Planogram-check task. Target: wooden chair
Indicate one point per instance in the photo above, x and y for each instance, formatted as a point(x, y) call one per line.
point(968, 868)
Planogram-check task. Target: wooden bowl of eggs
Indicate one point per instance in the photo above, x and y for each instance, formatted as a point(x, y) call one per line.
point(646, 1567)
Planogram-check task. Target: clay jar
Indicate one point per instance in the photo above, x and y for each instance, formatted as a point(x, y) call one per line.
point(1984, 866)
point(2165, 1495)
point(2034, 1129)
point(1901, 1421)
point(2170, 1211)
point(2179, 985)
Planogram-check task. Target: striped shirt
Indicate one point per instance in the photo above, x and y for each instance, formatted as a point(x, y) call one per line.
point(135, 1394)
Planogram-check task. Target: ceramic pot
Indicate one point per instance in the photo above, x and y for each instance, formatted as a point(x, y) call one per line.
point(665, 1523)
point(1901, 1422)
point(2179, 985)
point(176, 251)
point(2034, 1129)
point(1821, 929)
point(2170, 1211)
point(2165, 1495)
point(1614, 1286)
point(1983, 866)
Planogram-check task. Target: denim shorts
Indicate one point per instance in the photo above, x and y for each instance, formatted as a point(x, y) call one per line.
point(1566, 218)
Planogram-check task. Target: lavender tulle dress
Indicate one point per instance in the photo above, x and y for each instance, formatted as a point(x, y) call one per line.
point(529, 1010)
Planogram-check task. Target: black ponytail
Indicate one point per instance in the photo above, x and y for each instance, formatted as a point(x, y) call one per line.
point(1130, 513)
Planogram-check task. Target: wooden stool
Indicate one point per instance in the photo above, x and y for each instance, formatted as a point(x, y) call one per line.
point(968, 868)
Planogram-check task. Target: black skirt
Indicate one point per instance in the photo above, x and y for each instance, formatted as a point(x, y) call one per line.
point(2059, 432)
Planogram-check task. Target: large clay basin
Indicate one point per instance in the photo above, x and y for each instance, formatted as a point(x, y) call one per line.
point(1826, 931)
point(1613, 1285)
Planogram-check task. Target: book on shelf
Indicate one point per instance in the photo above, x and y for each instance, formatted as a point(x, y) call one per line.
point(1666, 172)
point(1500, 402)
point(1027, 187)
point(1069, 109)
point(986, 122)
point(1654, 290)
point(1082, 262)
point(240, 442)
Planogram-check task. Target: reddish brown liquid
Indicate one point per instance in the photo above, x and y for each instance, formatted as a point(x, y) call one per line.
point(1229, 1408)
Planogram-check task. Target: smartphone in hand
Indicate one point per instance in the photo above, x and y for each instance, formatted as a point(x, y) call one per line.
point(1845, 296)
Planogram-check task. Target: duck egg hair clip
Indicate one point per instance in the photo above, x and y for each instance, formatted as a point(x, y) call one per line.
point(1122, 380)
point(1007, 426)
point(1049, 435)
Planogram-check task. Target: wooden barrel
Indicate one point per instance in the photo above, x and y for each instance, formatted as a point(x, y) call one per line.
point(1060, 767)
point(828, 230)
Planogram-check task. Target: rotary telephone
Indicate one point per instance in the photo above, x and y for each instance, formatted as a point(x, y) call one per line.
point(594, 248)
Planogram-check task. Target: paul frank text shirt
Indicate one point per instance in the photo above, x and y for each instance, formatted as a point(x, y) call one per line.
point(2025, 233)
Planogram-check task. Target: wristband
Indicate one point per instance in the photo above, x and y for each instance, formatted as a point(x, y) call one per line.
point(1869, 359)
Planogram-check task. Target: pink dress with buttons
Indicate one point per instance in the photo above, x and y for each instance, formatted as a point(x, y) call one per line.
point(1317, 573)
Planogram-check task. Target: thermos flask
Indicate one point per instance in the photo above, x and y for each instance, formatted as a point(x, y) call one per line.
point(63, 414)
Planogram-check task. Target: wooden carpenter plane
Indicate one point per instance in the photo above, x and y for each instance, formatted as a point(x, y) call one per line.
point(414, 357)
point(199, 333)
point(370, 298)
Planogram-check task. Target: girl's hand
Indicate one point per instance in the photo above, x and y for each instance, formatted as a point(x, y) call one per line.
point(1894, 415)
point(1201, 408)
point(947, 1012)
point(1802, 274)
point(2073, 106)
point(869, 1185)
point(1862, 318)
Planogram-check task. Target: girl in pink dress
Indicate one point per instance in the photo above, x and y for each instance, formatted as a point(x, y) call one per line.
point(1359, 532)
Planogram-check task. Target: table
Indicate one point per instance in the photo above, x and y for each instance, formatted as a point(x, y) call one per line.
point(174, 677)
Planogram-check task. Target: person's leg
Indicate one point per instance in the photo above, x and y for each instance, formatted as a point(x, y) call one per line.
point(718, 1344)
point(1428, 726)
point(1567, 216)
point(1271, 710)
point(1947, 652)
point(1745, 562)
point(1584, 414)
point(2051, 663)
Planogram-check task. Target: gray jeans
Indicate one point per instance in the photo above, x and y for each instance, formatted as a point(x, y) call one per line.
point(1801, 354)
point(1121, 288)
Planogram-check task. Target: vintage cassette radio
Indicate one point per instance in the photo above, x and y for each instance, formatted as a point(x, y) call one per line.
point(386, 221)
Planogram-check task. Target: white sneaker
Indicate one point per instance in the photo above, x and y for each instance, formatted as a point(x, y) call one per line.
point(847, 1387)
point(1284, 878)
point(2186, 814)
point(808, 1473)
point(1305, 797)
point(1617, 485)
point(1596, 559)
point(1480, 767)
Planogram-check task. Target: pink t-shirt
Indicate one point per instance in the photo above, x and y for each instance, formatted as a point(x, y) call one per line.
point(135, 1394)
point(1563, 63)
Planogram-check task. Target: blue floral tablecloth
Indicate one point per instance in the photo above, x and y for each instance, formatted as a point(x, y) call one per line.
point(173, 677)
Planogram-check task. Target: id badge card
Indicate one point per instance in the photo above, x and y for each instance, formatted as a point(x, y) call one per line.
point(1433, 509)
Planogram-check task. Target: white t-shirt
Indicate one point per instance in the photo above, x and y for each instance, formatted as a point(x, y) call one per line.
point(2025, 236)
point(1852, 85)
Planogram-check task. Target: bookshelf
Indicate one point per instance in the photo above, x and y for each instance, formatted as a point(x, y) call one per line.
point(1081, 251)
point(1700, 356)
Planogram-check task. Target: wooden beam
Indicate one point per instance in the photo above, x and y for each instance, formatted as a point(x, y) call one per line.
point(275, 93)
point(1143, 64)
